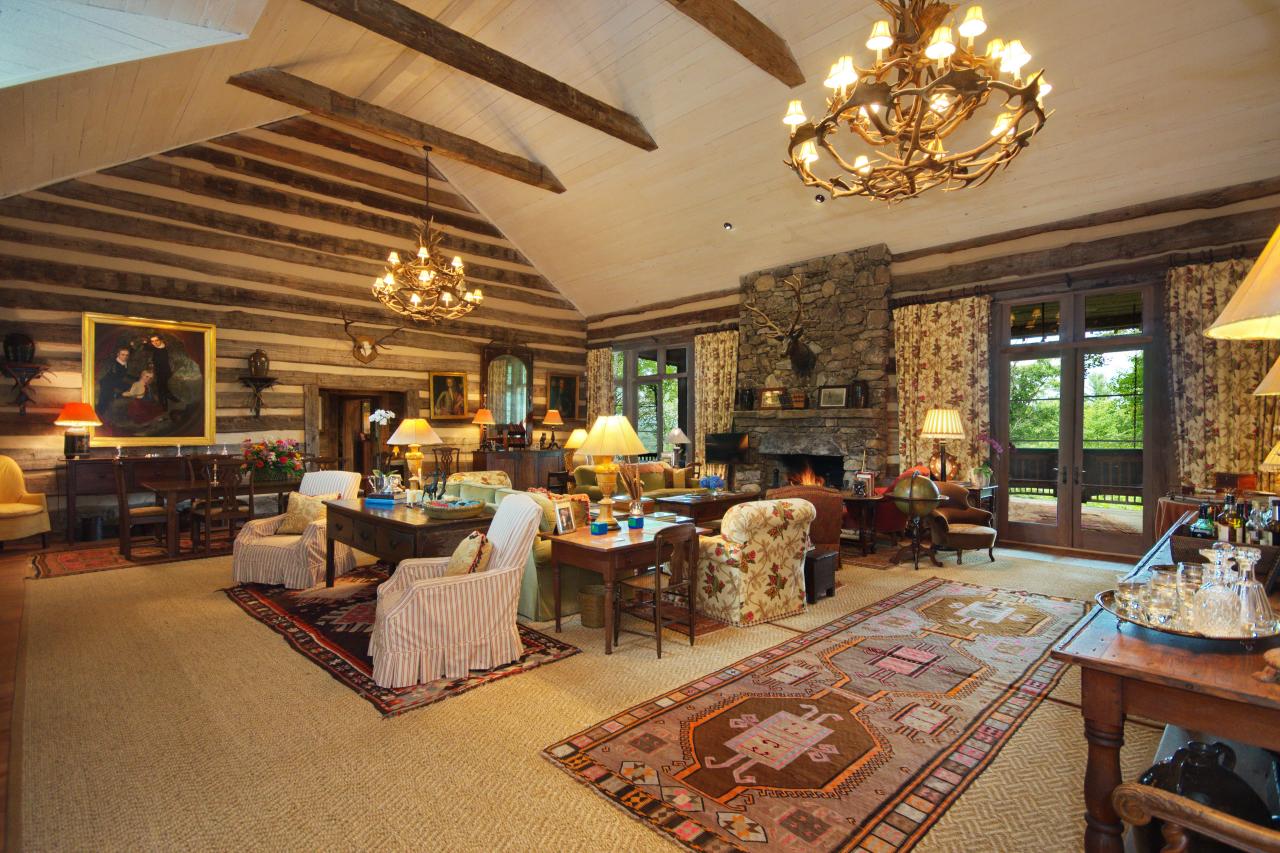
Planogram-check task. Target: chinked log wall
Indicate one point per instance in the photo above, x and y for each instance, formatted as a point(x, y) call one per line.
point(271, 235)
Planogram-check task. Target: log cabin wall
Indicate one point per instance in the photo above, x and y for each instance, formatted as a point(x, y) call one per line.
point(672, 321)
point(270, 234)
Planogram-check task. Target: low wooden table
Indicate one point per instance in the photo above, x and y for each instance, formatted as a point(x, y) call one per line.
point(395, 534)
point(704, 507)
point(1203, 685)
point(862, 508)
point(175, 489)
point(820, 574)
point(610, 556)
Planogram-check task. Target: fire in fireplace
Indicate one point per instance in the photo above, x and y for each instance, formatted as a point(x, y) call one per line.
point(805, 469)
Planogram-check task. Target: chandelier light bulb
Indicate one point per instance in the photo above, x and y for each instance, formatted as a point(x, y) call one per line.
point(388, 279)
point(446, 297)
point(795, 114)
point(1003, 124)
point(423, 253)
point(457, 263)
point(842, 74)
point(415, 298)
point(973, 25)
point(808, 153)
point(862, 165)
point(939, 103)
point(393, 258)
point(995, 47)
point(1045, 88)
point(881, 38)
point(940, 46)
point(1013, 57)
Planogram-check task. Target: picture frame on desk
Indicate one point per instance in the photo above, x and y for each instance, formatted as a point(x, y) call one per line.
point(565, 522)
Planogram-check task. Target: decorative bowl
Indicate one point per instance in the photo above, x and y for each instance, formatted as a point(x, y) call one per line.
point(452, 509)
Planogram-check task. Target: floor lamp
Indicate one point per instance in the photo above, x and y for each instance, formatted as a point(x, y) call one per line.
point(944, 425)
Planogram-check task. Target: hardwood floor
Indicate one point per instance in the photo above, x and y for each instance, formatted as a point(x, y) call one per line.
point(15, 564)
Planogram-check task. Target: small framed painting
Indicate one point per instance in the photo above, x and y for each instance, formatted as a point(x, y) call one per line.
point(565, 522)
point(772, 398)
point(448, 396)
point(833, 397)
point(152, 382)
point(562, 395)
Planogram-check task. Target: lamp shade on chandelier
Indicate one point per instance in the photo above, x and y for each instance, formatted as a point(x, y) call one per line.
point(909, 121)
point(423, 286)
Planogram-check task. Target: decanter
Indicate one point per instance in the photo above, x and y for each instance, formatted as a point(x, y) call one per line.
point(1215, 610)
point(1256, 616)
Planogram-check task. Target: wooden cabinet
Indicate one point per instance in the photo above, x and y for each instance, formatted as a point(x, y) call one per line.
point(526, 468)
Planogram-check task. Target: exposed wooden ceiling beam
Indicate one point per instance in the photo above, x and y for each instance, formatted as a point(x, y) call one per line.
point(744, 32)
point(416, 31)
point(287, 88)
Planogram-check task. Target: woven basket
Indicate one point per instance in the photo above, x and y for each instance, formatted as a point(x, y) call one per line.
point(591, 600)
point(470, 510)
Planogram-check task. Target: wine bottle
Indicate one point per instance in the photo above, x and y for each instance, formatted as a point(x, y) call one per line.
point(1202, 527)
point(1224, 518)
point(1272, 534)
point(1239, 522)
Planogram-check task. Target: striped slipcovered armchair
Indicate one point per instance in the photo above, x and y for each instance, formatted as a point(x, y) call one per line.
point(753, 571)
point(260, 555)
point(429, 626)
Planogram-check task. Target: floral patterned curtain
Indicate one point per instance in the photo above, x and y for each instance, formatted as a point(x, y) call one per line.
point(1218, 425)
point(715, 365)
point(599, 383)
point(943, 355)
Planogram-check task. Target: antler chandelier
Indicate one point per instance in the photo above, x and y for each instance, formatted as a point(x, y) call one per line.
point(424, 287)
point(910, 110)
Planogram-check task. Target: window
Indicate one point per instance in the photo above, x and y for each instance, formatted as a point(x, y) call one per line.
point(652, 388)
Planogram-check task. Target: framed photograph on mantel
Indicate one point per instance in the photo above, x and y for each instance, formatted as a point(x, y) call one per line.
point(833, 396)
point(772, 398)
point(562, 395)
point(448, 396)
point(152, 382)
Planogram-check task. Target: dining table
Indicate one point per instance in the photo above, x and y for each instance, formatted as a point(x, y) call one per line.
point(172, 490)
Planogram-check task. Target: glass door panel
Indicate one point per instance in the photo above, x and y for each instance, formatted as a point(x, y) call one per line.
point(1035, 418)
point(1109, 471)
point(648, 420)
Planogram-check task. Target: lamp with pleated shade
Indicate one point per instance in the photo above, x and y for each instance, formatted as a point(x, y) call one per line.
point(1270, 384)
point(943, 425)
point(414, 432)
point(484, 420)
point(1254, 310)
point(571, 445)
point(552, 419)
point(1272, 463)
point(610, 436)
point(77, 418)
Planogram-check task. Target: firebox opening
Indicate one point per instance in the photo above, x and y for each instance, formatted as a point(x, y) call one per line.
point(804, 469)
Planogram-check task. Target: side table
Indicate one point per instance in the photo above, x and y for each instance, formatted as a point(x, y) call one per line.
point(820, 574)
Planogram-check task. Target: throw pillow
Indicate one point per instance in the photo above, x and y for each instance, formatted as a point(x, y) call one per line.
point(652, 480)
point(682, 478)
point(546, 502)
point(303, 509)
point(471, 556)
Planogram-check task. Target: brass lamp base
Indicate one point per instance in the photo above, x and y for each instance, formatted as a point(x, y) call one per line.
point(413, 460)
point(607, 480)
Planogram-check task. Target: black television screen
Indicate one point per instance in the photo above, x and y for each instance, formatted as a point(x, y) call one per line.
point(726, 448)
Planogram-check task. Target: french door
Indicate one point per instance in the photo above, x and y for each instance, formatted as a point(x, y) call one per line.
point(1072, 399)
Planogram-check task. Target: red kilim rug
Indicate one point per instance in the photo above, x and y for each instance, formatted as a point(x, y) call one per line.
point(330, 627)
point(856, 736)
point(104, 556)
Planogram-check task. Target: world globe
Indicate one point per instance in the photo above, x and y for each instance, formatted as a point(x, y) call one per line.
point(916, 496)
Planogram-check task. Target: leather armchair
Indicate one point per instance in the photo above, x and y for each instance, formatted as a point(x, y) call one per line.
point(957, 526)
point(824, 532)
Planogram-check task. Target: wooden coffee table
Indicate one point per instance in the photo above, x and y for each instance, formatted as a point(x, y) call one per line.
point(704, 507)
point(395, 534)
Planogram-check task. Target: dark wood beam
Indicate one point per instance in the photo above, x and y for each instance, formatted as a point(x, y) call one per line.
point(706, 316)
point(312, 97)
point(682, 301)
point(745, 33)
point(307, 129)
point(430, 37)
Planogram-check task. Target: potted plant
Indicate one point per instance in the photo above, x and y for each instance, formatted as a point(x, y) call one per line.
point(983, 471)
point(273, 459)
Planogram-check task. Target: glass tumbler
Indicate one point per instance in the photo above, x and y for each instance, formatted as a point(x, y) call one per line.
point(1160, 602)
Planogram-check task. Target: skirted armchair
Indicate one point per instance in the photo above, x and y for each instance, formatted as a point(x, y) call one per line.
point(429, 626)
point(260, 555)
point(957, 526)
point(753, 571)
point(480, 486)
point(22, 513)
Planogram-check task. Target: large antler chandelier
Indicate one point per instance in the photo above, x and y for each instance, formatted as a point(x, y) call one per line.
point(424, 287)
point(908, 114)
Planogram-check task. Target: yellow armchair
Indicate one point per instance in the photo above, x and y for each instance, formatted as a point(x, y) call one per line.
point(22, 513)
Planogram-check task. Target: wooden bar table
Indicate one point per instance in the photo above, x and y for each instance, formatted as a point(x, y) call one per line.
point(1201, 685)
point(611, 556)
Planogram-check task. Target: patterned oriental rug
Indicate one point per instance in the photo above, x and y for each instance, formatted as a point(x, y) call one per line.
point(330, 627)
point(856, 736)
point(104, 556)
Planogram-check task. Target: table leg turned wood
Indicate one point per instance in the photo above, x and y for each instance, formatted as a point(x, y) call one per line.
point(171, 509)
point(1103, 709)
point(555, 588)
point(328, 561)
point(608, 613)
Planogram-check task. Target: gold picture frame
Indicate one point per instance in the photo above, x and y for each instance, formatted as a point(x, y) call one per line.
point(448, 396)
point(153, 383)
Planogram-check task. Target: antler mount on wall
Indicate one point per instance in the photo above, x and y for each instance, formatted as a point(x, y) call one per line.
point(795, 349)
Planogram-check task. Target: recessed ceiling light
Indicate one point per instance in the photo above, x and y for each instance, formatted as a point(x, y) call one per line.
point(728, 226)
point(819, 198)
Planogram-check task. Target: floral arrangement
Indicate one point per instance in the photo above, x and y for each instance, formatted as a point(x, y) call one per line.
point(382, 417)
point(273, 458)
point(996, 449)
point(714, 482)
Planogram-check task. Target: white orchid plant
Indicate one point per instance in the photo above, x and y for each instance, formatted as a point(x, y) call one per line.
point(382, 417)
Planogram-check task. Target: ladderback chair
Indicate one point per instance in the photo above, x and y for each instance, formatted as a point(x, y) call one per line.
point(753, 571)
point(824, 533)
point(428, 625)
point(155, 516)
point(957, 526)
point(22, 513)
point(222, 504)
point(297, 560)
point(672, 576)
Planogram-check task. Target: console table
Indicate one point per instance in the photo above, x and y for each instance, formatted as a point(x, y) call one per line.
point(527, 468)
point(394, 534)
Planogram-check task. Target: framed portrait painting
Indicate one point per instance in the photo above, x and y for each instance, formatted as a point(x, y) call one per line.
point(152, 382)
point(562, 395)
point(448, 396)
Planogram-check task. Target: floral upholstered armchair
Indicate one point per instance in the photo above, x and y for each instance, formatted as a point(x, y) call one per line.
point(753, 571)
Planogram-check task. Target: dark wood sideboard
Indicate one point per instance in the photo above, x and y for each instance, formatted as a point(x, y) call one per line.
point(87, 476)
point(526, 468)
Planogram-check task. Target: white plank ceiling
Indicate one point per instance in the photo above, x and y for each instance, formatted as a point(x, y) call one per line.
point(1154, 98)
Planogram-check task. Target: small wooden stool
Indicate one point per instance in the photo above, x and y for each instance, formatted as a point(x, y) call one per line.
point(820, 574)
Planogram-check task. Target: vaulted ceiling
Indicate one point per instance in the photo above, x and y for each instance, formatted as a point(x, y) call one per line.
point(1154, 98)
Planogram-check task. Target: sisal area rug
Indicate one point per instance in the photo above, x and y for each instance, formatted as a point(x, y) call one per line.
point(104, 556)
point(855, 736)
point(330, 627)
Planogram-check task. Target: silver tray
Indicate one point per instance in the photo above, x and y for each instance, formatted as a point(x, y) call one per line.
point(1107, 601)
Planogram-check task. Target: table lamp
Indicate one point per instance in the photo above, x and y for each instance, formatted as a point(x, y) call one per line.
point(1270, 384)
point(77, 418)
point(484, 418)
point(1271, 464)
point(571, 445)
point(677, 437)
point(1254, 310)
point(610, 436)
point(944, 425)
point(414, 432)
point(552, 419)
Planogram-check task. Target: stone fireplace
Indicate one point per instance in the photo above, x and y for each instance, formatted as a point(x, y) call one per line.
point(846, 322)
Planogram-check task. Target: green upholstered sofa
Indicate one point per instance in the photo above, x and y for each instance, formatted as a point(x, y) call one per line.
point(537, 594)
point(477, 485)
point(658, 479)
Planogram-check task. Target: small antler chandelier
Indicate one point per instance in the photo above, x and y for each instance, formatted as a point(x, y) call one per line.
point(424, 287)
point(915, 102)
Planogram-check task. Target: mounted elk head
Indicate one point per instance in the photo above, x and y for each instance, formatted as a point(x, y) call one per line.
point(799, 352)
point(364, 348)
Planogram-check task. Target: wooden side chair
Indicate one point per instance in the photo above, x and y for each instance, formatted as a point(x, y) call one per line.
point(676, 547)
point(446, 459)
point(222, 505)
point(558, 482)
point(155, 517)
